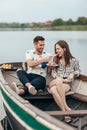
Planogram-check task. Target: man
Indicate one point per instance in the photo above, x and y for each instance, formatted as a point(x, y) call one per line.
point(34, 78)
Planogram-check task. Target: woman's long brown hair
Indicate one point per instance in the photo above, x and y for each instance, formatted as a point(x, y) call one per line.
point(67, 55)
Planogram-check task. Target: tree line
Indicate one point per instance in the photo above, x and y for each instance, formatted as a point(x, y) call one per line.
point(47, 24)
point(79, 21)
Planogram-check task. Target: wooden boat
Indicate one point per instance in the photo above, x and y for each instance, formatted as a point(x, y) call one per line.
point(40, 112)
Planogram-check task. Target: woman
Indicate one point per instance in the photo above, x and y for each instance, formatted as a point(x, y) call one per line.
point(68, 69)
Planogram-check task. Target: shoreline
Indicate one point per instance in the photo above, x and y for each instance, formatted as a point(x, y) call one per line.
point(51, 28)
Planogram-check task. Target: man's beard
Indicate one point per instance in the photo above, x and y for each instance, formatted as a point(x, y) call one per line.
point(40, 50)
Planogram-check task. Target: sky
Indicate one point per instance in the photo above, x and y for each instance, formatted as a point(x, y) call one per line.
point(27, 11)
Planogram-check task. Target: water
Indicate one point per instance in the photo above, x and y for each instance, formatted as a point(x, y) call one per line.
point(13, 44)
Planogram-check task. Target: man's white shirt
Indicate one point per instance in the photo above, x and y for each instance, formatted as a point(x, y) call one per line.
point(30, 54)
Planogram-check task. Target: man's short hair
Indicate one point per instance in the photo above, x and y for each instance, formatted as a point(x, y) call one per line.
point(38, 38)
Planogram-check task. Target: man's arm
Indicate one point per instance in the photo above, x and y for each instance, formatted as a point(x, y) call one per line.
point(32, 63)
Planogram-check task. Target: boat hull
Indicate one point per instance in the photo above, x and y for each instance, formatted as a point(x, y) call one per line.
point(18, 117)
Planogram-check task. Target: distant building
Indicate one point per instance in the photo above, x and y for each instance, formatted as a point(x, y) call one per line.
point(48, 23)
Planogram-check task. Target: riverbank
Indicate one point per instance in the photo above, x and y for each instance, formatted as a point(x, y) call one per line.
point(50, 28)
point(70, 28)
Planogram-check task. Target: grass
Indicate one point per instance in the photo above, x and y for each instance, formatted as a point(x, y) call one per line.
point(70, 27)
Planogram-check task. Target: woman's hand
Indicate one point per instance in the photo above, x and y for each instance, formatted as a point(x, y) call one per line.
point(71, 77)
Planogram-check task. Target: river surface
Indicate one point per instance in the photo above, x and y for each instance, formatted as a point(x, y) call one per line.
point(13, 44)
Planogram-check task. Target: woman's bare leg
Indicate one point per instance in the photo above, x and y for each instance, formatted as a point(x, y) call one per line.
point(62, 88)
point(66, 88)
point(57, 98)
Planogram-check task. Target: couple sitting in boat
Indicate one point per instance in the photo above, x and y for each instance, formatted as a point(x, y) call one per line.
point(64, 68)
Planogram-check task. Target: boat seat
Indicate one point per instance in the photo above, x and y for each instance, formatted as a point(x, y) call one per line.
point(43, 94)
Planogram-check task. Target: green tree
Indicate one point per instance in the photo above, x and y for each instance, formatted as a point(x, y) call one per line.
point(57, 22)
point(69, 22)
point(81, 21)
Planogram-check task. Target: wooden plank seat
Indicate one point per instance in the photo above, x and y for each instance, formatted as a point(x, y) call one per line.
point(70, 113)
point(43, 94)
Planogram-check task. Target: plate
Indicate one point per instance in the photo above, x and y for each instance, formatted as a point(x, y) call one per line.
point(10, 69)
point(52, 65)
